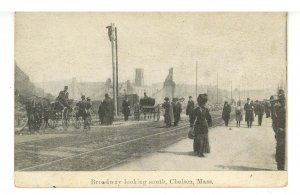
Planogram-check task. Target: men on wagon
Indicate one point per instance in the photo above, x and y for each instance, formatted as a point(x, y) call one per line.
point(249, 116)
point(189, 109)
point(168, 112)
point(63, 97)
point(126, 108)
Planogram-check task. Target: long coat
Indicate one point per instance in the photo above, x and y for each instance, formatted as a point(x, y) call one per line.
point(125, 107)
point(168, 115)
point(202, 120)
point(249, 108)
point(238, 113)
point(226, 112)
point(190, 107)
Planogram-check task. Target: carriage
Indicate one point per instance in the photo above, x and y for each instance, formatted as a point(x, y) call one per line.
point(59, 113)
point(149, 109)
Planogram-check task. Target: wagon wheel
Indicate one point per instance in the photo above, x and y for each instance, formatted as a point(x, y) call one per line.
point(65, 118)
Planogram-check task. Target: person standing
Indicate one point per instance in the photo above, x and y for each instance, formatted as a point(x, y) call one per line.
point(238, 114)
point(279, 120)
point(189, 109)
point(201, 121)
point(63, 97)
point(226, 113)
point(249, 108)
point(81, 110)
point(126, 108)
point(167, 115)
point(260, 110)
point(108, 107)
point(88, 120)
point(178, 109)
point(101, 113)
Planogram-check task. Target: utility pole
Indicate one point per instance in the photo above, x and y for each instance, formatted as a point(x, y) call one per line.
point(239, 93)
point(196, 79)
point(231, 90)
point(112, 38)
point(217, 88)
point(117, 72)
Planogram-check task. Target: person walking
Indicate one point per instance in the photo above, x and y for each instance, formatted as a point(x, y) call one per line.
point(167, 115)
point(126, 108)
point(226, 113)
point(101, 113)
point(249, 108)
point(260, 110)
point(238, 114)
point(201, 121)
point(108, 108)
point(189, 109)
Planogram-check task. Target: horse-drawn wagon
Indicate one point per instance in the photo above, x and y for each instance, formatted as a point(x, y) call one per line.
point(149, 109)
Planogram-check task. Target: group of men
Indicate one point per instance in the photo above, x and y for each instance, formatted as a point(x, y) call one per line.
point(172, 111)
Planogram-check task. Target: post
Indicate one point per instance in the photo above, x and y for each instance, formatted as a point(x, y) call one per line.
point(112, 37)
point(117, 73)
point(196, 79)
point(217, 88)
point(231, 90)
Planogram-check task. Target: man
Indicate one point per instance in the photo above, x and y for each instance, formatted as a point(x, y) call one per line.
point(226, 113)
point(101, 113)
point(189, 109)
point(63, 97)
point(82, 110)
point(126, 108)
point(260, 110)
point(108, 107)
point(249, 108)
point(279, 128)
point(88, 120)
point(167, 106)
point(176, 110)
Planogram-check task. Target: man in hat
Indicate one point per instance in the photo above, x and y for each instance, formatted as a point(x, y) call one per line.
point(109, 109)
point(278, 121)
point(177, 109)
point(88, 120)
point(126, 108)
point(226, 113)
point(202, 120)
point(259, 111)
point(249, 116)
point(82, 110)
point(168, 114)
point(63, 97)
point(189, 109)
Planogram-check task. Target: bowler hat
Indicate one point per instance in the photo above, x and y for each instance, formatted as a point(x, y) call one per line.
point(202, 98)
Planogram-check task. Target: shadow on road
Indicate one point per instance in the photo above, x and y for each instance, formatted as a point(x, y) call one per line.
point(241, 168)
point(191, 153)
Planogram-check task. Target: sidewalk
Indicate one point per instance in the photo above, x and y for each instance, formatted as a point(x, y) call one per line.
point(232, 148)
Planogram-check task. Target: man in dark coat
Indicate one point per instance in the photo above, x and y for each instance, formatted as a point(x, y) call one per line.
point(167, 106)
point(226, 113)
point(260, 110)
point(82, 110)
point(249, 116)
point(63, 97)
point(108, 107)
point(88, 120)
point(189, 109)
point(126, 108)
point(177, 109)
point(101, 113)
point(279, 126)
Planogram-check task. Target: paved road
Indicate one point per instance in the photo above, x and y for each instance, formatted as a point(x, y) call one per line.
point(232, 148)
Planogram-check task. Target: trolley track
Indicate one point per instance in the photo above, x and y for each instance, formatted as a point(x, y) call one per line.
point(103, 156)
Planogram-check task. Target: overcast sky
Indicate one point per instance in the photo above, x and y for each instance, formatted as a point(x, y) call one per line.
point(242, 47)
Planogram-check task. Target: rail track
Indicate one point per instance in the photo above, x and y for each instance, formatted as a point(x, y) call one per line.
point(101, 153)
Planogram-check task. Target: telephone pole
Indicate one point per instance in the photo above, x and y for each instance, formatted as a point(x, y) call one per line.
point(117, 72)
point(196, 79)
point(231, 90)
point(217, 88)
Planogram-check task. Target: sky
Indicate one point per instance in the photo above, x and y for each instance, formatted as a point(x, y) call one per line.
point(248, 49)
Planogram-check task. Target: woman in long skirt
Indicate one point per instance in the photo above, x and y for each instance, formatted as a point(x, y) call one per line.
point(202, 120)
point(238, 114)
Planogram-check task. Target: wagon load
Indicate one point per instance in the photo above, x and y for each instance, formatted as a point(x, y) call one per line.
point(147, 101)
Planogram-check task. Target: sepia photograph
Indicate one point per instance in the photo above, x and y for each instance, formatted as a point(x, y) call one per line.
point(150, 99)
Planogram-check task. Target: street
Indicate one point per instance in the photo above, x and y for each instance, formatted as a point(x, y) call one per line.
point(146, 145)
